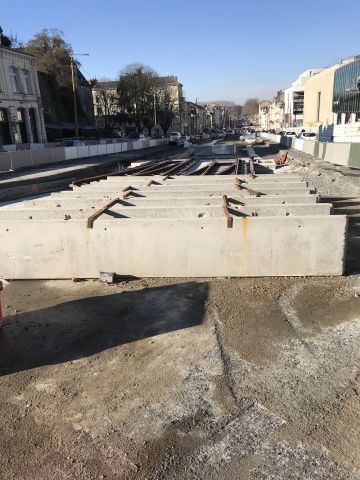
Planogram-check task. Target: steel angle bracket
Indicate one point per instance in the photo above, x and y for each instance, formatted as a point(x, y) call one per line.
point(229, 218)
point(98, 213)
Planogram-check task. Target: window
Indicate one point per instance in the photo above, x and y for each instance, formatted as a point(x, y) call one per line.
point(20, 115)
point(14, 80)
point(318, 107)
point(3, 115)
point(346, 98)
point(25, 80)
point(99, 111)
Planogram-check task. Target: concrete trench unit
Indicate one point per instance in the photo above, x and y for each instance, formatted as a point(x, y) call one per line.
point(180, 226)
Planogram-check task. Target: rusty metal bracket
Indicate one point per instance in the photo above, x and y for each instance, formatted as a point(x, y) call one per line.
point(229, 218)
point(94, 216)
point(238, 184)
point(251, 191)
point(127, 194)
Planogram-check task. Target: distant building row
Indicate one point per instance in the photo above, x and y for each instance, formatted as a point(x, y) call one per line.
point(189, 117)
point(321, 97)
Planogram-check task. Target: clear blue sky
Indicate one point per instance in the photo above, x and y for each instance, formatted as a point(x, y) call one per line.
point(219, 50)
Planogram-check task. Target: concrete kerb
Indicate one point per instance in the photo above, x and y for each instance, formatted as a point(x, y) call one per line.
point(97, 201)
point(165, 211)
point(183, 193)
point(170, 188)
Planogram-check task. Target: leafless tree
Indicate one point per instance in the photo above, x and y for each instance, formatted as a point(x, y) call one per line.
point(136, 93)
point(250, 109)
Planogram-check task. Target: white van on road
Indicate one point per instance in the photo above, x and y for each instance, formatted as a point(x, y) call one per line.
point(175, 138)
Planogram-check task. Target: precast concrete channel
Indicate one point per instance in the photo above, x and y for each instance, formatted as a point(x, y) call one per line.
point(192, 217)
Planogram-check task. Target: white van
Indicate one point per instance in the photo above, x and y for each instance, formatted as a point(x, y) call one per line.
point(175, 138)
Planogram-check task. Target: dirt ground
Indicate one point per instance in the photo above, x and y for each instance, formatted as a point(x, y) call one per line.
point(169, 378)
point(164, 379)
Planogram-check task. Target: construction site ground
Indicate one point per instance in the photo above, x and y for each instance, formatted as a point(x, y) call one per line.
point(183, 379)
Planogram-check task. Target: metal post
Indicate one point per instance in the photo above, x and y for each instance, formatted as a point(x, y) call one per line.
point(74, 85)
point(155, 119)
point(196, 119)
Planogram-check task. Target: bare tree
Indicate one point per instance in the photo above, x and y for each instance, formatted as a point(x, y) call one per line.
point(167, 107)
point(250, 109)
point(136, 93)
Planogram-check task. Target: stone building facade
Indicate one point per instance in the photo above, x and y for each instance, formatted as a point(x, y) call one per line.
point(21, 113)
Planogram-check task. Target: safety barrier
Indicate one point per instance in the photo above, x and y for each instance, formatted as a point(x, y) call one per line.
point(15, 160)
point(344, 154)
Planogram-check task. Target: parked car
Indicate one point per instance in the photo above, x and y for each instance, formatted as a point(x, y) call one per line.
point(133, 136)
point(308, 135)
point(290, 134)
point(73, 142)
point(175, 138)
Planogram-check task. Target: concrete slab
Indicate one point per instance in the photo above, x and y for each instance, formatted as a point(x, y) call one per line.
point(176, 229)
point(291, 246)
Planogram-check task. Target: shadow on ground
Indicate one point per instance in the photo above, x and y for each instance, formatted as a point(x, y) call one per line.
point(84, 327)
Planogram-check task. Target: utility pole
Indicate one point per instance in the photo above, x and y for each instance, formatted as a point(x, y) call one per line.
point(155, 119)
point(74, 87)
point(196, 118)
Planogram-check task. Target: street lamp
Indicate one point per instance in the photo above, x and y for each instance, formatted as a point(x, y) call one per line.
point(74, 85)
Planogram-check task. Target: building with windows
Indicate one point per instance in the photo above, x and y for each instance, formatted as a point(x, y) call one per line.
point(264, 114)
point(346, 101)
point(106, 107)
point(318, 98)
point(332, 101)
point(346, 96)
point(294, 99)
point(105, 104)
point(276, 120)
point(21, 114)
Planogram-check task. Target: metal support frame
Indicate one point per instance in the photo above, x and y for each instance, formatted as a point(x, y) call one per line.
point(196, 172)
point(179, 165)
point(227, 169)
point(103, 176)
point(210, 167)
point(94, 216)
point(149, 169)
point(229, 218)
